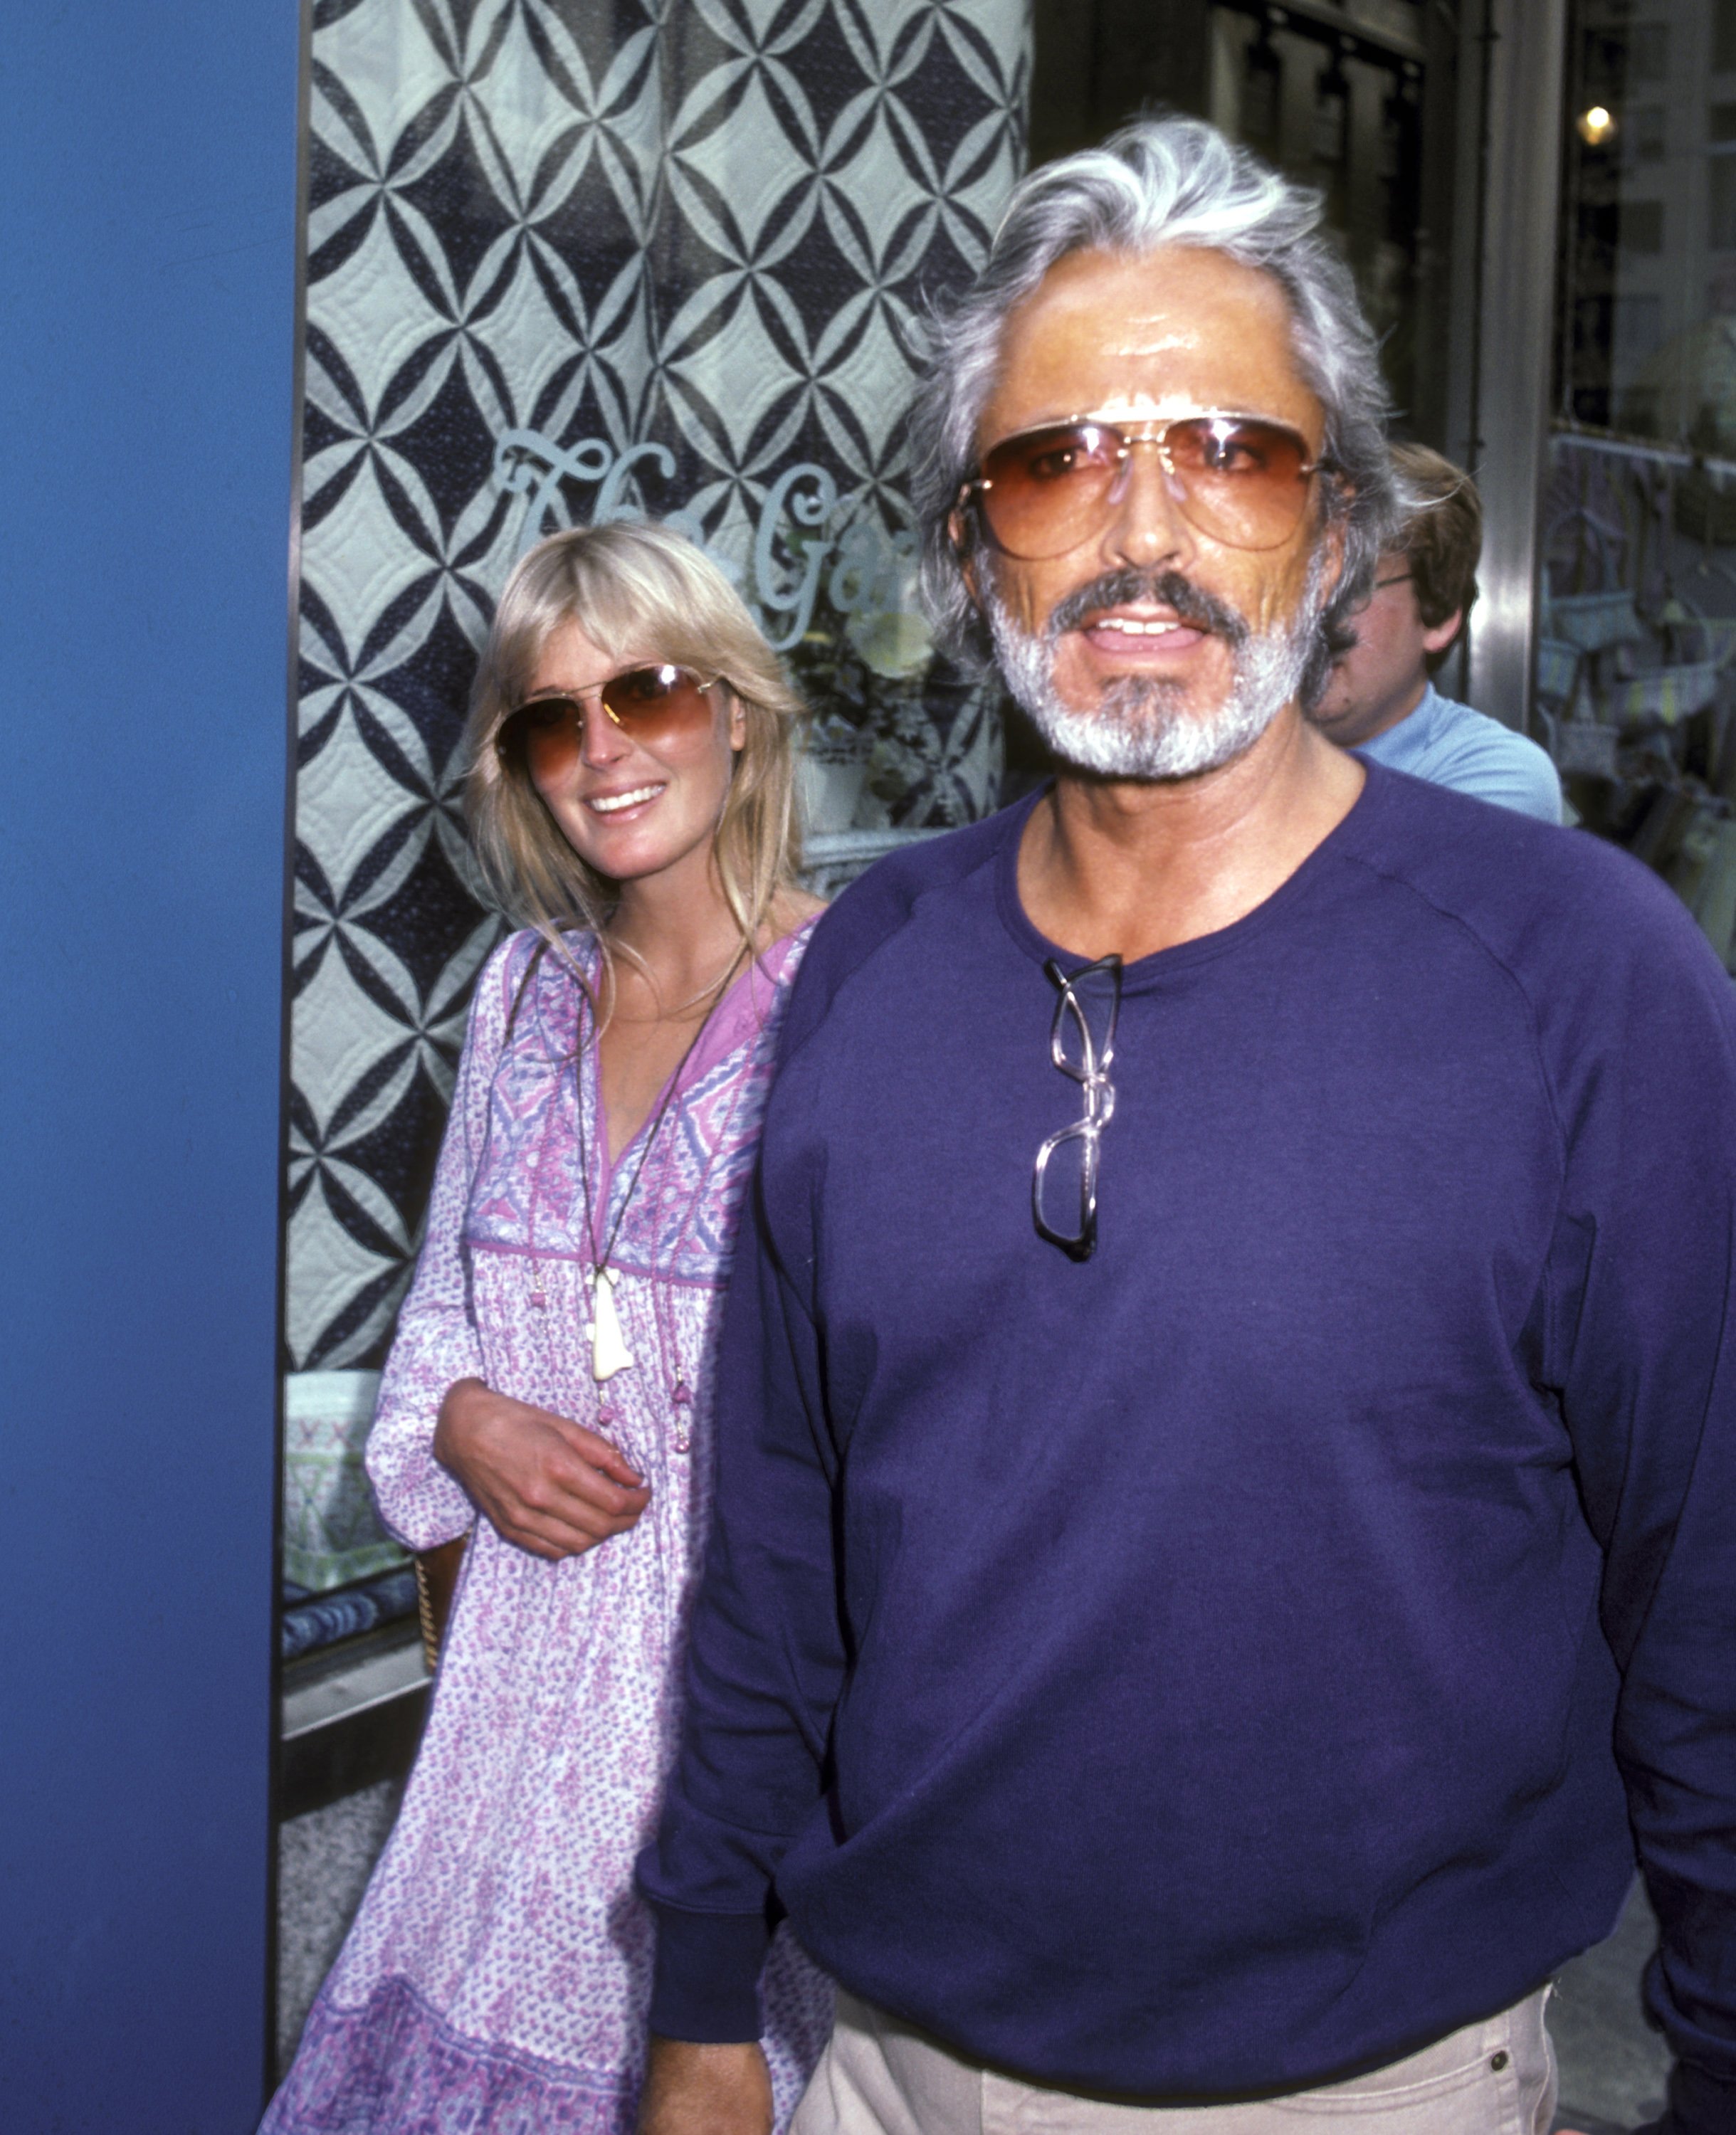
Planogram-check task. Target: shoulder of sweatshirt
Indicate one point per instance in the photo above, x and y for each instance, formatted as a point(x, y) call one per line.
point(1596, 941)
point(878, 904)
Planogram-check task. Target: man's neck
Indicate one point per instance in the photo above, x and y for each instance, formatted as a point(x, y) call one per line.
point(1129, 867)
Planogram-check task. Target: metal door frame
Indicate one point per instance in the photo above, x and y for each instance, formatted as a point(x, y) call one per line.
point(1513, 55)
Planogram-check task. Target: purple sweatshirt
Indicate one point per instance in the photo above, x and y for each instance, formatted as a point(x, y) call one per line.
point(1242, 1657)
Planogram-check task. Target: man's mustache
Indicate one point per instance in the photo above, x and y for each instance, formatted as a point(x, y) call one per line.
point(1188, 603)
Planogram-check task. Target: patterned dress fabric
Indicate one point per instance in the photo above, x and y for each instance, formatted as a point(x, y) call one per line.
point(497, 1974)
point(703, 229)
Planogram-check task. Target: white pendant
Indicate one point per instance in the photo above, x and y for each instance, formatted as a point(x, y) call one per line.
point(610, 1353)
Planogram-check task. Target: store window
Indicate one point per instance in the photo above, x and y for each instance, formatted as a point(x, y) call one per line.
point(565, 260)
point(1637, 608)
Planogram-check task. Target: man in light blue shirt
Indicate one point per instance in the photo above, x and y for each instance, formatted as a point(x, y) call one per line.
point(1381, 701)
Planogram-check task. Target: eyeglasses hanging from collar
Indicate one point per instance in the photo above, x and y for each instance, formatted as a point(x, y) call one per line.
point(1082, 1045)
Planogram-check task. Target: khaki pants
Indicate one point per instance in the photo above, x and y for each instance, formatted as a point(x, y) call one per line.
point(879, 2077)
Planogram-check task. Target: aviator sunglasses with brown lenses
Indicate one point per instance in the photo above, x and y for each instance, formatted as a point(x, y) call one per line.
point(660, 702)
point(1242, 480)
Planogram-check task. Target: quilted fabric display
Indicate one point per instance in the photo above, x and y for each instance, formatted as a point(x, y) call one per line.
point(567, 258)
point(330, 1533)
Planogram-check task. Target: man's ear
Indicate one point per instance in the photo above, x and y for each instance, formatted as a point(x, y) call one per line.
point(1437, 637)
point(965, 552)
point(1335, 560)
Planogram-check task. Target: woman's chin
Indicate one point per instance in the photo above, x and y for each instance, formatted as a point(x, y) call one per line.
point(640, 851)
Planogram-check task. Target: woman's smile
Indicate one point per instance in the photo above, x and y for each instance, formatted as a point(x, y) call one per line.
point(635, 798)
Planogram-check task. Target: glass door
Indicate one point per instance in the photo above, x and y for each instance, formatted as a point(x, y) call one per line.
point(1636, 619)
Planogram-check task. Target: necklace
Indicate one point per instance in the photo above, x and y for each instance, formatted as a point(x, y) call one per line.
point(610, 1353)
point(662, 1307)
point(663, 1314)
point(692, 1000)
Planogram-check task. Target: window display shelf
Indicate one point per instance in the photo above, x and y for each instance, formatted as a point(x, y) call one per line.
point(831, 859)
point(341, 1686)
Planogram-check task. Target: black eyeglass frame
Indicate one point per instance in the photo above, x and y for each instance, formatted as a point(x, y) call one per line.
point(1100, 1096)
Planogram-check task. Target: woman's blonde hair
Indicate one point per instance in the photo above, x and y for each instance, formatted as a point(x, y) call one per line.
point(638, 591)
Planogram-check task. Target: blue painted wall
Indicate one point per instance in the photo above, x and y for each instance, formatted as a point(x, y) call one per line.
point(147, 284)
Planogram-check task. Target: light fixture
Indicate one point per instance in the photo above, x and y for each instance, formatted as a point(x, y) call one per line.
point(1595, 125)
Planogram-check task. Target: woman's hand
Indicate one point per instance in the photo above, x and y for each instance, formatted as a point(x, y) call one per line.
point(550, 1486)
point(705, 2090)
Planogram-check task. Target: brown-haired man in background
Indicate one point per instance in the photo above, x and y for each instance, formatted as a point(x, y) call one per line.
point(1381, 698)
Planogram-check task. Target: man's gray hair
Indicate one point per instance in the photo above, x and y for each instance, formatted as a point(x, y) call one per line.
point(1159, 181)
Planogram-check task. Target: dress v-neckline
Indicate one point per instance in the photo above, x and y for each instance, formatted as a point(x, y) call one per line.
point(698, 1061)
point(609, 1165)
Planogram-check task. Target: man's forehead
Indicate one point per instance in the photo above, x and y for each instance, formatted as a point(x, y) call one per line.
point(1153, 294)
point(1176, 332)
point(1121, 406)
point(1134, 333)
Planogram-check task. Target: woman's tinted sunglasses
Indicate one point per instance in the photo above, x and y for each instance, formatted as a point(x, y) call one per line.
point(1242, 480)
point(544, 735)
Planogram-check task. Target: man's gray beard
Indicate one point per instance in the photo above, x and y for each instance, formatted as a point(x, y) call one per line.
point(1140, 728)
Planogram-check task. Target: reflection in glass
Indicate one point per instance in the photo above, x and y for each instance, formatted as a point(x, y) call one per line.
point(1638, 624)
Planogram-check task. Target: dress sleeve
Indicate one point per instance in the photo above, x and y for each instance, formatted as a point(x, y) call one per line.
point(1646, 1342)
point(765, 1661)
point(436, 1342)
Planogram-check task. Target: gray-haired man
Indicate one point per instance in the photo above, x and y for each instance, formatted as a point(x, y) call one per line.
point(1227, 1417)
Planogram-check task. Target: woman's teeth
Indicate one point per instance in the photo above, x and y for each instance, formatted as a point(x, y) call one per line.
point(607, 803)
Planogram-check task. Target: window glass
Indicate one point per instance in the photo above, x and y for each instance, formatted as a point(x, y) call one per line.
point(1644, 140)
point(1650, 53)
point(1721, 203)
point(1638, 622)
point(564, 261)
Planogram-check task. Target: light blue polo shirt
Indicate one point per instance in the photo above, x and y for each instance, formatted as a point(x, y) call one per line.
point(1449, 744)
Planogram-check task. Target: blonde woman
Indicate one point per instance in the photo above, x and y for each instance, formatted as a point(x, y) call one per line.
point(548, 1390)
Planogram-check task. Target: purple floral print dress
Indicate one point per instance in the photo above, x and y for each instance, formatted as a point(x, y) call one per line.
point(497, 1974)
